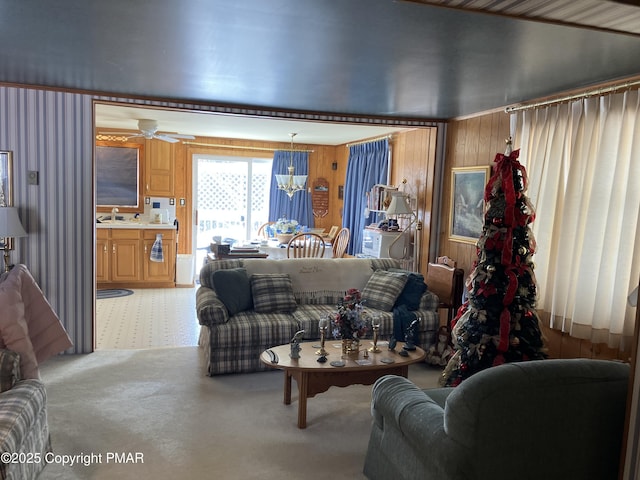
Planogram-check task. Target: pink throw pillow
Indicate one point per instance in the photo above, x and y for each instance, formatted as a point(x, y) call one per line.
point(14, 334)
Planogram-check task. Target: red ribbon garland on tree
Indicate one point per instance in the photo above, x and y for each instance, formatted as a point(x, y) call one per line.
point(503, 179)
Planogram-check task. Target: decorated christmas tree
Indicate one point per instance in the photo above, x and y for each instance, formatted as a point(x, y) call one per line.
point(498, 323)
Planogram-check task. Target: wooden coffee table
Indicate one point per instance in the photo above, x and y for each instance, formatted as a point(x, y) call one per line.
point(313, 377)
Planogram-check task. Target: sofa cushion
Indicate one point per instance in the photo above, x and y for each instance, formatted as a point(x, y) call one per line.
point(412, 291)
point(233, 289)
point(9, 369)
point(250, 328)
point(272, 293)
point(382, 289)
point(308, 316)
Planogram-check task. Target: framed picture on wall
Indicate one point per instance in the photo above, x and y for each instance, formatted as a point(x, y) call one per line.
point(6, 170)
point(467, 203)
point(6, 189)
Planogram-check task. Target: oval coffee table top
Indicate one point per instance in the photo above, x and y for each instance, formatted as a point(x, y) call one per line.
point(309, 360)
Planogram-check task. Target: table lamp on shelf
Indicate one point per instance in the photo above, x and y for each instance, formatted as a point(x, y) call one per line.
point(400, 206)
point(10, 227)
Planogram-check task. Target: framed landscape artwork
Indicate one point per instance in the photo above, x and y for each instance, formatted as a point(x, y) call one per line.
point(467, 203)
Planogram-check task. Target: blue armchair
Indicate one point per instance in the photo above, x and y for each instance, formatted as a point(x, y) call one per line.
point(546, 419)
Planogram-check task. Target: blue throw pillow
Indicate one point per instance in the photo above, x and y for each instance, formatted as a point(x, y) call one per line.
point(233, 288)
point(412, 291)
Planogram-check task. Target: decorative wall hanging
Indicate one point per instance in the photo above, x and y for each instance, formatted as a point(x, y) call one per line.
point(320, 198)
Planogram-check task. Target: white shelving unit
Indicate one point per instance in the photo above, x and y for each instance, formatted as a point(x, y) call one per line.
point(377, 197)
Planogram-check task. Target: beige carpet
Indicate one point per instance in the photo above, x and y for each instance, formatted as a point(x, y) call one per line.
point(159, 403)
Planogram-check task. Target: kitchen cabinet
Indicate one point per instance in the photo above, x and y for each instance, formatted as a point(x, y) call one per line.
point(159, 171)
point(159, 271)
point(125, 255)
point(102, 256)
point(123, 258)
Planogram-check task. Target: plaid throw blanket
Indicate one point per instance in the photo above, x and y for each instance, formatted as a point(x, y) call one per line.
point(156, 250)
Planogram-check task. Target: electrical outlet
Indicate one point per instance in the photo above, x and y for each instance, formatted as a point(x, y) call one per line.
point(172, 201)
point(147, 200)
point(32, 177)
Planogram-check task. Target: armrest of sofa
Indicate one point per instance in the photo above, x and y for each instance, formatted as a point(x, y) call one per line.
point(23, 411)
point(209, 307)
point(429, 301)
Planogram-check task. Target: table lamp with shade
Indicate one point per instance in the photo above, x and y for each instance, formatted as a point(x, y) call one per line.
point(400, 206)
point(10, 227)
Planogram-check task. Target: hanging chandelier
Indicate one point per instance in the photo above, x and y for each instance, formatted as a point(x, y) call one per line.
point(291, 183)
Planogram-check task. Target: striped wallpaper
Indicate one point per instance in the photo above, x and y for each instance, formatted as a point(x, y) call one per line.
point(52, 133)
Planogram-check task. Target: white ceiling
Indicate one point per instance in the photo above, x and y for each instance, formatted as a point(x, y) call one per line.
point(236, 126)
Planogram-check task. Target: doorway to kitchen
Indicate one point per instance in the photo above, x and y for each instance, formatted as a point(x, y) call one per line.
point(232, 199)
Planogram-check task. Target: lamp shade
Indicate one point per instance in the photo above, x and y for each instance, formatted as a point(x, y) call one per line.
point(398, 205)
point(10, 225)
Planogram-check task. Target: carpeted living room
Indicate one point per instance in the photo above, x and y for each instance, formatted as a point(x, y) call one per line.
point(148, 398)
point(160, 403)
point(496, 141)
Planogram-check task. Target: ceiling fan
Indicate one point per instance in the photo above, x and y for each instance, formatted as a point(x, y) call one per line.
point(149, 130)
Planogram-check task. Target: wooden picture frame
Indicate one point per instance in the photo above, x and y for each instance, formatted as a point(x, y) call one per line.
point(467, 203)
point(6, 189)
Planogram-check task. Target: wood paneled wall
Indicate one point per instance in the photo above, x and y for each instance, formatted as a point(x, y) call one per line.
point(413, 160)
point(475, 142)
point(470, 143)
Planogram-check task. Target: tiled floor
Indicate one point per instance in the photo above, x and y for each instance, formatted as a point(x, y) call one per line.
point(150, 318)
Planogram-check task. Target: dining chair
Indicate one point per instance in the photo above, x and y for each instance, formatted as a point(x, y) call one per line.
point(306, 245)
point(446, 281)
point(340, 242)
point(329, 237)
point(262, 231)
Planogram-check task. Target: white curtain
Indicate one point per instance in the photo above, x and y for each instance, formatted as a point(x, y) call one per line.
point(583, 161)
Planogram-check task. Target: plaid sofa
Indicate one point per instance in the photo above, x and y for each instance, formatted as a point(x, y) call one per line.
point(24, 431)
point(233, 336)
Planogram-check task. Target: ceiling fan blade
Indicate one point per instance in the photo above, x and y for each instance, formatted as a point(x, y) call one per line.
point(178, 135)
point(166, 138)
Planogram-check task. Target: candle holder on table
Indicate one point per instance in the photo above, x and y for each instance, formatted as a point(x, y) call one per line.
point(375, 325)
point(323, 325)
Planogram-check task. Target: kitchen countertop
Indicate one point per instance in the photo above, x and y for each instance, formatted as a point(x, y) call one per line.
point(136, 225)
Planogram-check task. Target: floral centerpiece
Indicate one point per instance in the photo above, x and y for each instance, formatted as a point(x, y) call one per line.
point(350, 321)
point(285, 228)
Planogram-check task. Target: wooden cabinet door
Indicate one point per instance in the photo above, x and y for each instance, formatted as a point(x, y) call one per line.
point(102, 259)
point(159, 169)
point(125, 260)
point(159, 271)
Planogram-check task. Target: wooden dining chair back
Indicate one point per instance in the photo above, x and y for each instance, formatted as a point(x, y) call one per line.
point(340, 242)
point(333, 231)
point(446, 281)
point(305, 245)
